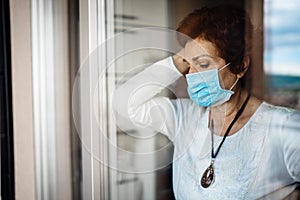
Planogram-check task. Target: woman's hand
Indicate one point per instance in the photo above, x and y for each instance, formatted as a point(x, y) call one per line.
point(179, 62)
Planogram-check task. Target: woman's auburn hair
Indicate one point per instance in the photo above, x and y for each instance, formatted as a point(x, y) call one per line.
point(228, 27)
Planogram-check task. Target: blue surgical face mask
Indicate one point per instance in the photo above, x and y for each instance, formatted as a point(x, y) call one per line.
point(205, 90)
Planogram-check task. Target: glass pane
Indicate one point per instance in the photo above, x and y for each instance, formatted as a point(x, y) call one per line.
point(282, 50)
point(138, 177)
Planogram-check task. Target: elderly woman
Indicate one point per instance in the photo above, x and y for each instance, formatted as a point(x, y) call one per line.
point(228, 144)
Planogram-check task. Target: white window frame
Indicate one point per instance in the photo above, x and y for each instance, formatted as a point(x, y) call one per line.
point(51, 99)
point(96, 25)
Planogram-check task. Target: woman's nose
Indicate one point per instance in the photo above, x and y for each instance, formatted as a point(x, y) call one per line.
point(191, 69)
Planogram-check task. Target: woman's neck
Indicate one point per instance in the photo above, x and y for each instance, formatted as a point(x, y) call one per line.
point(223, 114)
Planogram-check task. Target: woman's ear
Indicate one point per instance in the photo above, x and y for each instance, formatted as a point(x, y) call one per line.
point(246, 63)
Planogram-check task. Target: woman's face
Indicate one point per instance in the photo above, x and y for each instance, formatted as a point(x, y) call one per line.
point(202, 55)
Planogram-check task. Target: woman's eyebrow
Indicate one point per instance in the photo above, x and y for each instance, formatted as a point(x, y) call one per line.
point(200, 56)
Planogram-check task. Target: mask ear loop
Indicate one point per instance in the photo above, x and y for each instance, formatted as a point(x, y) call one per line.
point(224, 67)
point(236, 79)
point(234, 83)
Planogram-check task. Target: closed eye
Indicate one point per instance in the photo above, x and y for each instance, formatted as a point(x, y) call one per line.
point(204, 65)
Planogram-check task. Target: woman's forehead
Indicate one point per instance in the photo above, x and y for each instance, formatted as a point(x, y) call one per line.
point(200, 48)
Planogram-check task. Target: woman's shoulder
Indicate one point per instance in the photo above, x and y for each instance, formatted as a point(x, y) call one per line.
point(279, 111)
point(189, 114)
point(282, 120)
point(190, 108)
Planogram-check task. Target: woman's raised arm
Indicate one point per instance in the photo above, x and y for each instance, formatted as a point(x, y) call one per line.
point(138, 99)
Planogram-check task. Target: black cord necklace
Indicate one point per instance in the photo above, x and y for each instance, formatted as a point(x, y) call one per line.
point(209, 174)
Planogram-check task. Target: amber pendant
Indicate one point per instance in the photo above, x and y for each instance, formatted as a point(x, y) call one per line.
point(208, 176)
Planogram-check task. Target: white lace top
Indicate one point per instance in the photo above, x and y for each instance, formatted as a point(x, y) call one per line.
point(261, 160)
